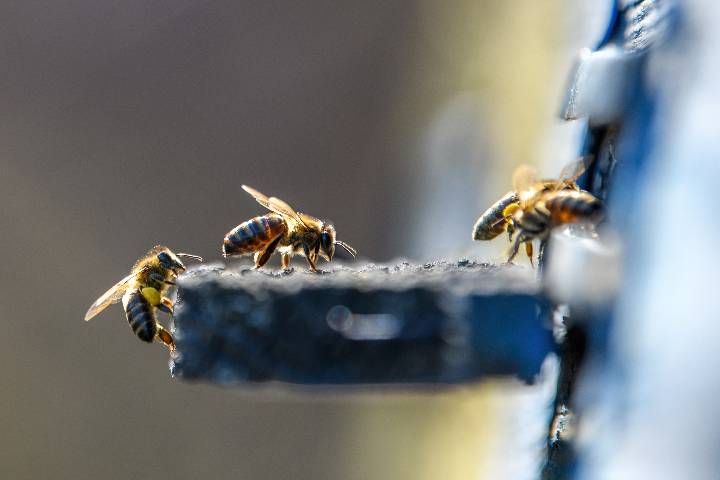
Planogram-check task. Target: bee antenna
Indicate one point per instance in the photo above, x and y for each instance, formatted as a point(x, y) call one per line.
point(347, 247)
point(189, 256)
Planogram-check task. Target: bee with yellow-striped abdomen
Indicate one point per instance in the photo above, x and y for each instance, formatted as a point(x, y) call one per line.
point(498, 218)
point(540, 209)
point(285, 231)
point(142, 292)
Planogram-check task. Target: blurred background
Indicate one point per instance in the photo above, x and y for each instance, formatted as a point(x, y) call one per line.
point(124, 125)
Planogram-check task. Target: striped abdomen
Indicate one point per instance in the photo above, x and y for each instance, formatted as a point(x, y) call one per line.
point(559, 208)
point(569, 206)
point(253, 235)
point(492, 223)
point(140, 315)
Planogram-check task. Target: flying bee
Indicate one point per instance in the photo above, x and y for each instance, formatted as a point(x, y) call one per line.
point(142, 291)
point(498, 218)
point(540, 209)
point(286, 231)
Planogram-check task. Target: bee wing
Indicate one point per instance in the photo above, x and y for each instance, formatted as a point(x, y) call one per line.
point(574, 169)
point(523, 180)
point(111, 296)
point(262, 199)
point(275, 204)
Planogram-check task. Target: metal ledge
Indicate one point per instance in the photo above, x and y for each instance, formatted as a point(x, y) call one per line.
point(443, 323)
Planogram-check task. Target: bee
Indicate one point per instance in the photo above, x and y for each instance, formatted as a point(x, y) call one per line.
point(142, 291)
point(286, 231)
point(541, 208)
point(498, 218)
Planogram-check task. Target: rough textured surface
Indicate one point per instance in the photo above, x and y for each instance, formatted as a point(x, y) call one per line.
point(435, 323)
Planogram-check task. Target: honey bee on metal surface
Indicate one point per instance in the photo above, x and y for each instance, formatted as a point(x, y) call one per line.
point(541, 209)
point(498, 218)
point(286, 231)
point(142, 291)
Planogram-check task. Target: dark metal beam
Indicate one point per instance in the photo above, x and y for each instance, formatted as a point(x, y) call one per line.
point(435, 323)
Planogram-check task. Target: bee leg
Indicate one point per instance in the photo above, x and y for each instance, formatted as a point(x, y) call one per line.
point(157, 276)
point(151, 295)
point(165, 337)
point(529, 251)
point(165, 305)
point(521, 238)
point(307, 256)
point(541, 256)
point(262, 258)
point(516, 247)
point(285, 261)
point(315, 252)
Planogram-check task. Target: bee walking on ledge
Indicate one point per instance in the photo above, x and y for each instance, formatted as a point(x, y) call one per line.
point(286, 231)
point(142, 291)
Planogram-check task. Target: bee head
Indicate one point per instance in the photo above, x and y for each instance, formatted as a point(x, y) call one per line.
point(327, 242)
point(170, 261)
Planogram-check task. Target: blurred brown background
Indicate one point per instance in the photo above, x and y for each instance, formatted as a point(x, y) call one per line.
point(124, 125)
